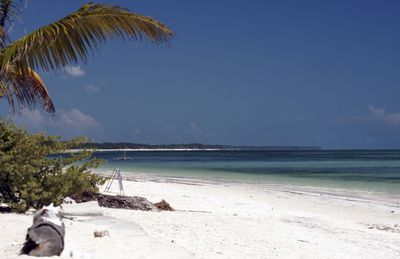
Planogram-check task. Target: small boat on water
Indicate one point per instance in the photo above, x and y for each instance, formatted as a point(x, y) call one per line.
point(124, 157)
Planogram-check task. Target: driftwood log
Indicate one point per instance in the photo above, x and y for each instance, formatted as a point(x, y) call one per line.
point(122, 202)
point(125, 202)
point(85, 197)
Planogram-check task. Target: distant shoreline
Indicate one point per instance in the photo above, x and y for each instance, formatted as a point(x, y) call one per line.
point(144, 149)
point(183, 149)
point(127, 146)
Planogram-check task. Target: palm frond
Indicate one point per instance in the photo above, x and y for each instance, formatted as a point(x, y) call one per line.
point(10, 11)
point(70, 39)
point(2, 32)
point(6, 8)
point(5, 11)
point(25, 88)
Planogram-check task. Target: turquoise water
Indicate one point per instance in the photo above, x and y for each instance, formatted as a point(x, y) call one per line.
point(366, 170)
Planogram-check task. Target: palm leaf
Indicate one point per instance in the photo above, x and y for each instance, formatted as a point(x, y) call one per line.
point(2, 32)
point(9, 10)
point(25, 89)
point(70, 39)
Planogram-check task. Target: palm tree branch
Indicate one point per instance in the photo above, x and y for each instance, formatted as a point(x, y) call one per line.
point(26, 88)
point(9, 11)
point(69, 40)
point(4, 11)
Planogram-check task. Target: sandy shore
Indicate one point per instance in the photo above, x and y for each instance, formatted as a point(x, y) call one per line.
point(227, 220)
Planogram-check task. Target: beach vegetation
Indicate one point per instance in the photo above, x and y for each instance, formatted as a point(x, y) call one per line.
point(36, 171)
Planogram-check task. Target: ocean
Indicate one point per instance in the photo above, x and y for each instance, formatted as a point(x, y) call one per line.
point(373, 171)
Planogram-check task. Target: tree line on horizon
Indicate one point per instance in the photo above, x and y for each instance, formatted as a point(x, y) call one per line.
point(128, 145)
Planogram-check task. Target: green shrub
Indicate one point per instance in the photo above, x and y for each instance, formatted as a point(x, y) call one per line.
point(33, 173)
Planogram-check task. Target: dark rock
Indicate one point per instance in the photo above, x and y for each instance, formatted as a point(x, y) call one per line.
point(163, 205)
point(4, 208)
point(101, 233)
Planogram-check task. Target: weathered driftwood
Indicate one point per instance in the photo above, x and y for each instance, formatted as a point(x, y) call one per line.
point(85, 197)
point(125, 202)
point(122, 202)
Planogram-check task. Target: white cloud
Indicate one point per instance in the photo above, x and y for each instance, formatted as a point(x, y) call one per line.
point(33, 117)
point(381, 115)
point(91, 89)
point(378, 116)
point(68, 124)
point(376, 111)
point(74, 71)
point(75, 118)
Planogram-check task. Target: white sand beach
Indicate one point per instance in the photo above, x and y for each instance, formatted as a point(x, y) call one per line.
point(226, 220)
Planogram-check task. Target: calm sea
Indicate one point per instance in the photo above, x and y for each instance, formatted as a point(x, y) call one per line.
point(366, 170)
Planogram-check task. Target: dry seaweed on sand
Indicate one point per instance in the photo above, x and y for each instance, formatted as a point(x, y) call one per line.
point(123, 202)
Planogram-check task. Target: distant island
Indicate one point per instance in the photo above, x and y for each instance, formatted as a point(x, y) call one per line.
point(189, 146)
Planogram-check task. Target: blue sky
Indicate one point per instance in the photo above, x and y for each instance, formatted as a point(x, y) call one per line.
point(322, 73)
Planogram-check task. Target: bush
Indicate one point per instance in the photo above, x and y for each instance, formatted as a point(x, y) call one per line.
point(33, 172)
